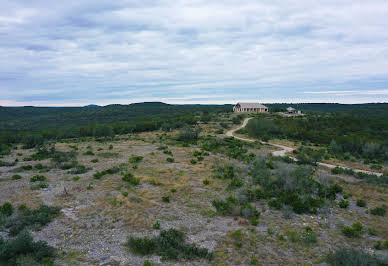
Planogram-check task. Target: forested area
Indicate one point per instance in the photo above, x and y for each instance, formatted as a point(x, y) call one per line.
point(344, 135)
point(34, 125)
point(375, 110)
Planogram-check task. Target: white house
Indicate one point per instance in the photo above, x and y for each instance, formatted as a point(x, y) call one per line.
point(290, 110)
point(250, 108)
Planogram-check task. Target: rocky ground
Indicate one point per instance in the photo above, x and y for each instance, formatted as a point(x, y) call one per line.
point(98, 215)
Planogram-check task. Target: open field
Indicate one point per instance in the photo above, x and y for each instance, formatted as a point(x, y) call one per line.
point(98, 214)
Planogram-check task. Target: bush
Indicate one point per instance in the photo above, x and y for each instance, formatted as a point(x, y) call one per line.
point(6, 209)
point(13, 250)
point(373, 231)
point(350, 257)
point(353, 231)
point(235, 183)
point(135, 159)
point(225, 207)
point(188, 133)
point(89, 153)
point(380, 211)
point(27, 218)
point(168, 152)
point(193, 161)
point(206, 182)
point(94, 161)
point(156, 225)
point(309, 237)
point(109, 171)
point(129, 177)
point(79, 169)
point(170, 160)
point(361, 203)
point(170, 245)
point(166, 199)
point(40, 185)
point(344, 204)
point(36, 178)
point(275, 203)
point(16, 177)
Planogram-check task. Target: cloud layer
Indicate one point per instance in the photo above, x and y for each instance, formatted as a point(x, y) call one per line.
point(79, 52)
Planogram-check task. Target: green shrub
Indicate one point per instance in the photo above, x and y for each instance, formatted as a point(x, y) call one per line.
point(27, 167)
point(309, 236)
point(16, 177)
point(293, 236)
point(89, 153)
point(109, 171)
point(8, 164)
point(380, 211)
point(27, 218)
point(170, 245)
point(6, 209)
point(135, 159)
point(168, 152)
point(275, 203)
point(76, 178)
point(40, 185)
point(193, 161)
point(94, 160)
point(385, 244)
point(110, 147)
point(16, 249)
point(36, 178)
point(378, 245)
point(170, 160)
point(129, 177)
point(166, 199)
point(124, 193)
point(361, 203)
point(355, 230)
point(206, 182)
point(344, 204)
point(188, 133)
point(79, 169)
point(373, 231)
point(156, 225)
point(350, 257)
point(235, 183)
point(225, 207)
point(39, 166)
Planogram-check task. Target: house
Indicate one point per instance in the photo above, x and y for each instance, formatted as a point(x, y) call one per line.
point(250, 108)
point(290, 110)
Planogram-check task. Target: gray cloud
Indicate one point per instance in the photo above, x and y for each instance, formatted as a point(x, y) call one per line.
point(99, 51)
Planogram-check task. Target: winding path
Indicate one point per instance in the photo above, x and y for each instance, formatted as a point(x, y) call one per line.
point(285, 149)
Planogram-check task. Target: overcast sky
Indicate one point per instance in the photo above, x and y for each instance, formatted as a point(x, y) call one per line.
point(75, 52)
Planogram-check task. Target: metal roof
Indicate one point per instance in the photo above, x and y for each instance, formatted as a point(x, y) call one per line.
point(251, 105)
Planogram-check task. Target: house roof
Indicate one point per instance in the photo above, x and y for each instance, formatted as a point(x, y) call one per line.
point(251, 105)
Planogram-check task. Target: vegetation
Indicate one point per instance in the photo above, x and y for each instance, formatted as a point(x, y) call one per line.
point(23, 250)
point(341, 134)
point(109, 171)
point(355, 230)
point(350, 257)
point(170, 245)
point(130, 178)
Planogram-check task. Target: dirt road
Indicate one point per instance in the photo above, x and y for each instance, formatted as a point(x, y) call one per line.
point(284, 149)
